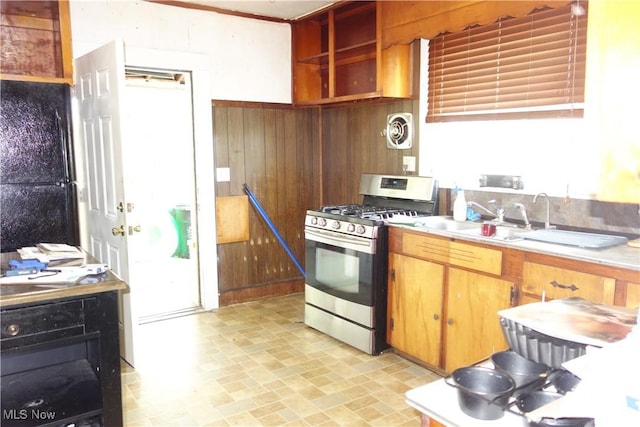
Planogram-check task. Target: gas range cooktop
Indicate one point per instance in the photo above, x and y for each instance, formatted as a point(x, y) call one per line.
point(385, 198)
point(369, 212)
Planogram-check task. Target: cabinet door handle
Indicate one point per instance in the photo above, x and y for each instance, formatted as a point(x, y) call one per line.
point(571, 287)
point(449, 321)
point(436, 317)
point(13, 329)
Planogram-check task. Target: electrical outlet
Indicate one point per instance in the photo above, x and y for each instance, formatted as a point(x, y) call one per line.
point(409, 163)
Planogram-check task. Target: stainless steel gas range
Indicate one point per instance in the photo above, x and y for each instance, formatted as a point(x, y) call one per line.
point(346, 258)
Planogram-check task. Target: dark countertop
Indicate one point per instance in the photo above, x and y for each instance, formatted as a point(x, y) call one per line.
point(24, 293)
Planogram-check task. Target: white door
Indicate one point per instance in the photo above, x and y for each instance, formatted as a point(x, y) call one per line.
point(138, 206)
point(103, 206)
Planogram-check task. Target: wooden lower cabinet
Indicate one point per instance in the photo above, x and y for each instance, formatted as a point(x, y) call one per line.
point(473, 330)
point(415, 307)
point(444, 316)
point(556, 283)
point(633, 295)
point(445, 293)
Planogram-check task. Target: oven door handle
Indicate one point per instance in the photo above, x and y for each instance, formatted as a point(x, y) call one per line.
point(355, 243)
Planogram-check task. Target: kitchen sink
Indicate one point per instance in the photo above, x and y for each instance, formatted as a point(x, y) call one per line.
point(445, 223)
point(468, 228)
point(514, 232)
point(574, 238)
point(502, 233)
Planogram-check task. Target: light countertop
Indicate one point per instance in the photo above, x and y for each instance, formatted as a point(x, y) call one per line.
point(622, 256)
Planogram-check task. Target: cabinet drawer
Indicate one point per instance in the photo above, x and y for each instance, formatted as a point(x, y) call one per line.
point(561, 283)
point(454, 253)
point(425, 247)
point(41, 323)
point(476, 258)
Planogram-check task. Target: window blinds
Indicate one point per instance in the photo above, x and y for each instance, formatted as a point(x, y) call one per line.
point(527, 67)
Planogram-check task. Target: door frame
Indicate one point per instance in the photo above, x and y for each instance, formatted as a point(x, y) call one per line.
point(199, 67)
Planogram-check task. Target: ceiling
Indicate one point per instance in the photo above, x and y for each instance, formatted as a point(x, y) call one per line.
point(282, 9)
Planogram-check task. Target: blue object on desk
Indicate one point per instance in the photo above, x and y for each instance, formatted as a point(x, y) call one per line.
point(21, 271)
point(27, 263)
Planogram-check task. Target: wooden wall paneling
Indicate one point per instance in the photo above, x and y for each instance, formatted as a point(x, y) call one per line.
point(226, 259)
point(356, 146)
point(236, 271)
point(334, 156)
point(378, 150)
point(279, 168)
point(221, 146)
point(352, 145)
point(291, 189)
point(272, 122)
point(255, 171)
point(236, 140)
point(275, 150)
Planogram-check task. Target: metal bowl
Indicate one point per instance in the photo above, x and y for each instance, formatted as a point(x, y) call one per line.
point(522, 370)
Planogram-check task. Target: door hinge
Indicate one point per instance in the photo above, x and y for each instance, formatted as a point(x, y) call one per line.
point(393, 274)
point(391, 324)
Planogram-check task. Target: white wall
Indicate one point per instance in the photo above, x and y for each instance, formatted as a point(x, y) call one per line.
point(250, 60)
point(552, 155)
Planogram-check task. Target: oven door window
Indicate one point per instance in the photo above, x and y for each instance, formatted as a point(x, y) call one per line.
point(343, 273)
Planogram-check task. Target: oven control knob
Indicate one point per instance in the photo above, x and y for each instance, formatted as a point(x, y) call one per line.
point(360, 229)
point(314, 221)
point(351, 228)
point(336, 225)
point(323, 222)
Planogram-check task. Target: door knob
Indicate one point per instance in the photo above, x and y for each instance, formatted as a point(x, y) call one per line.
point(137, 229)
point(118, 230)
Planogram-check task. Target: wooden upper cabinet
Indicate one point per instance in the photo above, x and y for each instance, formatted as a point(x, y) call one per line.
point(338, 56)
point(36, 41)
point(613, 65)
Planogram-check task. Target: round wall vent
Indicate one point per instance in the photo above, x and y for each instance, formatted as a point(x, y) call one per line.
point(399, 131)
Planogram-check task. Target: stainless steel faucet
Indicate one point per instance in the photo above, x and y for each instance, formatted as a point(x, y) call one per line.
point(499, 214)
point(547, 223)
point(523, 210)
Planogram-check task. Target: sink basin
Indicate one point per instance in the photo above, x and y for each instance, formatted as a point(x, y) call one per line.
point(574, 238)
point(467, 228)
point(446, 223)
point(502, 233)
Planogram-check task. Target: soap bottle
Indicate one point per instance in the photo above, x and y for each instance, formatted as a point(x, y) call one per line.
point(460, 206)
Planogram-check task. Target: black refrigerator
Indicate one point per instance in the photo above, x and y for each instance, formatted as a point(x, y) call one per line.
point(38, 197)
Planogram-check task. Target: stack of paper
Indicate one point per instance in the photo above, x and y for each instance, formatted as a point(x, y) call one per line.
point(46, 252)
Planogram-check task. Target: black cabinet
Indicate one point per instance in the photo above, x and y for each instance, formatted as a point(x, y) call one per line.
point(60, 363)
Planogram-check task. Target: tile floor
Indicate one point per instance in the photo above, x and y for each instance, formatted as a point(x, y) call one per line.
point(257, 364)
